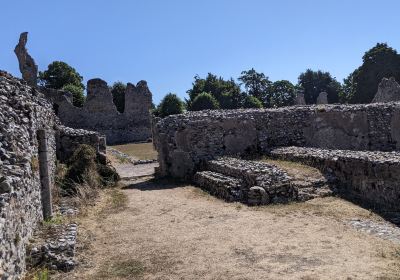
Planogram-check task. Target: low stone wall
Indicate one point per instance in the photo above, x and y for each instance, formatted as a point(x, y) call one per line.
point(371, 177)
point(256, 182)
point(24, 112)
point(68, 140)
point(185, 141)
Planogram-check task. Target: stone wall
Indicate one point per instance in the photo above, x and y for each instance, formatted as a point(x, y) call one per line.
point(100, 114)
point(24, 113)
point(31, 139)
point(68, 139)
point(185, 141)
point(370, 177)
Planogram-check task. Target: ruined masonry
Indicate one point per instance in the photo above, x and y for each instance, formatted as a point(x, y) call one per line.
point(190, 147)
point(31, 139)
point(388, 90)
point(99, 112)
point(255, 183)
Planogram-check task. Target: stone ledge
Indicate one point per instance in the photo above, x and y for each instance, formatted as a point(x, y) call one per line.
point(369, 177)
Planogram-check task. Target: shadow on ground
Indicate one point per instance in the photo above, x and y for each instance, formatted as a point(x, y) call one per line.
point(153, 184)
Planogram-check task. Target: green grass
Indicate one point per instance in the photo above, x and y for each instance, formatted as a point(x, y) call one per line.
point(127, 269)
point(55, 220)
point(42, 274)
point(138, 150)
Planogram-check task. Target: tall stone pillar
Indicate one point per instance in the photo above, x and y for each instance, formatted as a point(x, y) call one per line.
point(27, 66)
point(44, 175)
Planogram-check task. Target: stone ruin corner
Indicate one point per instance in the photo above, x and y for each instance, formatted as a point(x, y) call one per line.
point(27, 64)
point(388, 91)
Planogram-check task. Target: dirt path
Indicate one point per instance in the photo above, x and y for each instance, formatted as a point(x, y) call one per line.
point(158, 230)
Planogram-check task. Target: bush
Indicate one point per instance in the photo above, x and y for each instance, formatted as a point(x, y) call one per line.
point(118, 93)
point(204, 101)
point(170, 105)
point(78, 97)
point(108, 175)
point(252, 102)
point(84, 168)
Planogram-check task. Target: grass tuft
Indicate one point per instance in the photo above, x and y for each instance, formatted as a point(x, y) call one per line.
point(131, 269)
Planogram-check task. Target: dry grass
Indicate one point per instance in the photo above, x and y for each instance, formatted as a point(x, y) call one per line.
point(116, 201)
point(168, 232)
point(130, 268)
point(138, 150)
point(327, 207)
point(295, 169)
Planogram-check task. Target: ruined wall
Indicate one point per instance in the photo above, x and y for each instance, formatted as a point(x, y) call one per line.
point(31, 139)
point(24, 112)
point(100, 114)
point(68, 139)
point(370, 177)
point(184, 141)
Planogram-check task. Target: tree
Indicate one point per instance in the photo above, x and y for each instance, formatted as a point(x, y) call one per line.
point(282, 93)
point(252, 102)
point(256, 84)
point(118, 93)
point(379, 62)
point(60, 74)
point(204, 101)
point(315, 82)
point(170, 105)
point(78, 98)
point(226, 92)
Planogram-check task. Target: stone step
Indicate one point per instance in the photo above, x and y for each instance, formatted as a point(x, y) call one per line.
point(220, 185)
point(253, 173)
point(311, 192)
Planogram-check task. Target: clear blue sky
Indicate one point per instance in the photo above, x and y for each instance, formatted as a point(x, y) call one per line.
point(168, 42)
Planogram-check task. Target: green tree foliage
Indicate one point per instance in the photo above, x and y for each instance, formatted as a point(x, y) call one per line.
point(171, 104)
point(204, 101)
point(60, 74)
point(255, 83)
point(78, 98)
point(118, 93)
point(226, 92)
point(252, 102)
point(315, 82)
point(379, 62)
point(281, 93)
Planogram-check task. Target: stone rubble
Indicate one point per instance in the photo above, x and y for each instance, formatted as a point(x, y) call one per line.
point(254, 183)
point(57, 252)
point(383, 230)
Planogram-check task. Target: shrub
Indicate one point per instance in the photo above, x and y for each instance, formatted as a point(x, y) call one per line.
point(118, 93)
point(170, 105)
point(252, 102)
point(204, 101)
point(84, 168)
point(78, 97)
point(108, 175)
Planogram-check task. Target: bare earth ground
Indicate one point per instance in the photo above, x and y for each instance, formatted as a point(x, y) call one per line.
point(160, 230)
